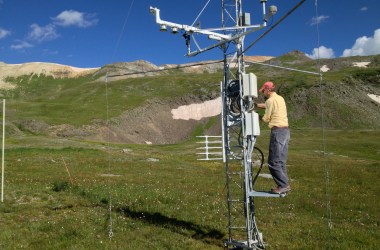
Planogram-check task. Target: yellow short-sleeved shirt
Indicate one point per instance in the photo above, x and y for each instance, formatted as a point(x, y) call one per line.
point(275, 111)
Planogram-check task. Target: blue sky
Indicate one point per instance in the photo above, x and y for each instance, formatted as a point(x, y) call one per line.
point(85, 33)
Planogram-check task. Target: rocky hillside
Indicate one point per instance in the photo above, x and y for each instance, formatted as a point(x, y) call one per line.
point(39, 68)
point(347, 93)
point(144, 103)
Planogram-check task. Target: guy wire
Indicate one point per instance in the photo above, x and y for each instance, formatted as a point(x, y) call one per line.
point(164, 69)
point(110, 226)
point(196, 19)
point(110, 229)
point(326, 165)
point(274, 25)
point(122, 30)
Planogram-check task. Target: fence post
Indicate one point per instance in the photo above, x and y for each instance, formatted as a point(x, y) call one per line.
point(2, 155)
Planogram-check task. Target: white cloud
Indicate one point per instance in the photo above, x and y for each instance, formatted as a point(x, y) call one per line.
point(364, 8)
point(322, 52)
point(318, 20)
point(19, 45)
point(41, 34)
point(4, 32)
point(365, 46)
point(75, 18)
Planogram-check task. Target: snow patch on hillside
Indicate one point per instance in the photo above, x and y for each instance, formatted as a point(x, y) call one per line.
point(376, 98)
point(361, 64)
point(324, 68)
point(199, 110)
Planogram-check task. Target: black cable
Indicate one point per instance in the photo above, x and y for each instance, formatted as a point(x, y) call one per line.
point(261, 155)
point(272, 27)
point(159, 70)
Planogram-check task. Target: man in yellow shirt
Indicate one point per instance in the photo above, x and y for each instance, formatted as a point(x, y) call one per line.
point(277, 118)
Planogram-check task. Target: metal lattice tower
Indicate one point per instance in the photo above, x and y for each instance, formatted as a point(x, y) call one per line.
point(240, 122)
point(242, 228)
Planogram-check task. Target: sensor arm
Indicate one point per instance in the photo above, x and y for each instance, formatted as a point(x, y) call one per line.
point(189, 29)
point(222, 38)
point(194, 53)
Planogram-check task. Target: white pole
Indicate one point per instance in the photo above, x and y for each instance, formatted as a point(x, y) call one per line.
point(2, 155)
point(222, 115)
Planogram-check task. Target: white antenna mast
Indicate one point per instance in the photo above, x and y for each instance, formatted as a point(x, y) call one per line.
point(240, 122)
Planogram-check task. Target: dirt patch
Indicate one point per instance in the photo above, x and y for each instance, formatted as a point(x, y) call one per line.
point(151, 123)
point(257, 58)
point(110, 175)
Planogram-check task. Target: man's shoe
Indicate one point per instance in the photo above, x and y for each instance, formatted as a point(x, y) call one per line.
point(281, 190)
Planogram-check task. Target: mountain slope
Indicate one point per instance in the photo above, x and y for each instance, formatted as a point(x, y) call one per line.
point(138, 109)
point(39, 68)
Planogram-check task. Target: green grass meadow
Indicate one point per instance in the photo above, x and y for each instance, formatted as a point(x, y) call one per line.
point(161, 197)
point(66, 193)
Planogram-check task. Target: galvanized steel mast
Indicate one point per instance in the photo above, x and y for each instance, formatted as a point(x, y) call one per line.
point(240, 122)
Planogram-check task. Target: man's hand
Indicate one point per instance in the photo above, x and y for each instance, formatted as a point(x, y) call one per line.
point(261, 105)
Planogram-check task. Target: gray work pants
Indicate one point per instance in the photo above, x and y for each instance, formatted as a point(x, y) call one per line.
point(278, 154)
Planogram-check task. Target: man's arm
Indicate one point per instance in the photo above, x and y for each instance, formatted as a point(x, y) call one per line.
point(268, 111)
point(261, 105)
